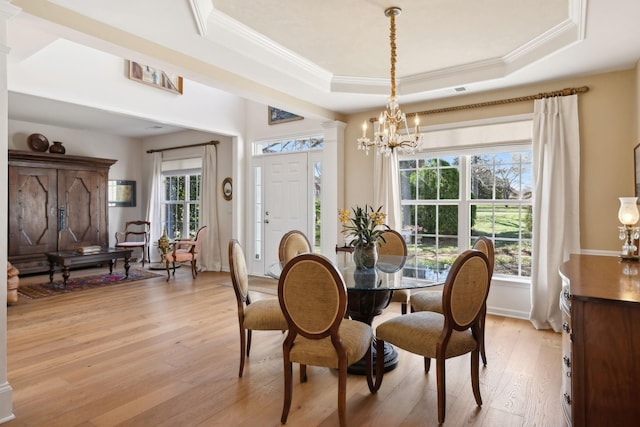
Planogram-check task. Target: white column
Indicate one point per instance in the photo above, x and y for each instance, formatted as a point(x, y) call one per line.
point(7, 11)
point(332, 185)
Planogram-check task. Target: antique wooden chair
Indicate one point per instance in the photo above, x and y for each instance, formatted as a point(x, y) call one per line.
point(261, 315)
point(135, 235)
point(186, 250)
point(432, 300)
point(442, 336)
point(293, 243)
point(313, 298)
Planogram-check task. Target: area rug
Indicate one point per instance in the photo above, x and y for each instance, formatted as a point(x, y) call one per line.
point(75, 284)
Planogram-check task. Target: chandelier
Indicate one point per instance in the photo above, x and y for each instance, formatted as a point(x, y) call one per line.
point(392, 120)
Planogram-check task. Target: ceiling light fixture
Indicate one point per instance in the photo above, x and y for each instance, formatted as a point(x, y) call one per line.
point(392, 119)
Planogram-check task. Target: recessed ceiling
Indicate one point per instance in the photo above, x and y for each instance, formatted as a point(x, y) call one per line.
point(334, 54)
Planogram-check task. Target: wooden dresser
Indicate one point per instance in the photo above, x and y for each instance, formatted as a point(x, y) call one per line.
point(600, 302)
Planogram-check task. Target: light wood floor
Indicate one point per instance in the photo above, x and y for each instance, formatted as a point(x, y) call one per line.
point(157, 353)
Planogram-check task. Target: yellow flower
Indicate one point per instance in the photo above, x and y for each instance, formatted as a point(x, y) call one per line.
point(365, 226)
point(343, 215)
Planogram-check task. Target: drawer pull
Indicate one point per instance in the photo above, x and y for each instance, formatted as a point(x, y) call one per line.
point(567, 361)
point(565, 327)
point(569, 374)
point(567, 399)
point(566, 295)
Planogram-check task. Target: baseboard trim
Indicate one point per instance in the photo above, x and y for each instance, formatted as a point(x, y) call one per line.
point(6, 403)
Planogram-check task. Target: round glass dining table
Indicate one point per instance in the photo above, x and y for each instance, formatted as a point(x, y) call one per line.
point(370, 291)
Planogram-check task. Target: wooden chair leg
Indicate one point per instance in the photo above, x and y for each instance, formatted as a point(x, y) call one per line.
point(166, 264)
point(475, 376)
point(342, 391)
point(427, 364)
point(242, 350)
point(481, 336)
point(288, 388)
point(303, 373)
point(403, 308)
point(442, 395)
point(194, 272)
point(248, 341)
point(379, 370)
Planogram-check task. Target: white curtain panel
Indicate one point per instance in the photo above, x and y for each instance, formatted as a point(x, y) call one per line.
point(556, 208)
point(154, 215)
point(210, 258)
point(386, 192)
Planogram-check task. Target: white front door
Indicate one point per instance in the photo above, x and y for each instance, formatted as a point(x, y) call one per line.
point(286, 200)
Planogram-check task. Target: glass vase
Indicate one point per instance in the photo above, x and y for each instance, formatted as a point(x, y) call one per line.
point(365, 256)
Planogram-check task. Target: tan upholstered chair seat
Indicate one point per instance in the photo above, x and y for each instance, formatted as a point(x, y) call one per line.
point(420, 332)
point(427, 301)
point(355, 336)
point(264, 315)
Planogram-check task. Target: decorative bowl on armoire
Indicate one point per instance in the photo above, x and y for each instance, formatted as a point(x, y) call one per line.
point(57, 148)
point(38, 142)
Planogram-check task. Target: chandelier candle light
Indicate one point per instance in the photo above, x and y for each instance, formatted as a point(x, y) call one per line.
point(392, 119)
point(628, 215)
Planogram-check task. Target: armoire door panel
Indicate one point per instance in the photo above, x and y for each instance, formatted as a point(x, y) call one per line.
point(77, 208)
point(32, 226)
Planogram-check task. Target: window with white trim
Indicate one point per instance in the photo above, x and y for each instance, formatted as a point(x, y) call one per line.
point(181, 203)
point(449, 200)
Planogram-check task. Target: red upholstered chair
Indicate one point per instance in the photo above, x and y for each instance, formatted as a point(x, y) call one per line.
point(135, 235)
point(186, 251)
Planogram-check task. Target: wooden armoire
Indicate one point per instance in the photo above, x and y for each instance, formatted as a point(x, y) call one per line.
point(57, 202)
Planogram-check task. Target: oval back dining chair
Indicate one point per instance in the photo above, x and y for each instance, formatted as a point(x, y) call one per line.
point(394, 244)
point(293, 243)
point(442, 336)
point(262, 315)
point(432, 300)
point(313, 298)
point(186, 250)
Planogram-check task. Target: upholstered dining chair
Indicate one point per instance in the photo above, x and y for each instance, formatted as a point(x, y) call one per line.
point(432, 300)
point(293, 243)
point(135, 235)
point(262, 315)
point(313, 298)
point(394, 244)
point(186, 250)
point(442, 336)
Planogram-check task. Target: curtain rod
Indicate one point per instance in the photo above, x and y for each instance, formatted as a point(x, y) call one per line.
point(160, 150)
point(562, 92)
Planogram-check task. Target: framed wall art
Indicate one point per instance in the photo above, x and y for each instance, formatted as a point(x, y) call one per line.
point(121, 193)
point(154, 77)
point(280, 116)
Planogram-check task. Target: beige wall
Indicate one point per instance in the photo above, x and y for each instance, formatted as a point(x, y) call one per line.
point(608, 133)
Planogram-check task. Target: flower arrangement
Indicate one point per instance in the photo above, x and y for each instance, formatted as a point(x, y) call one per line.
point(364, 226)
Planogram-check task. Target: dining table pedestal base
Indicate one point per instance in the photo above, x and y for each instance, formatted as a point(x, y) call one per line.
point(363, 306)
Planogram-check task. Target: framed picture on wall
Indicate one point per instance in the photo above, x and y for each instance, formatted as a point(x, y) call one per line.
point(636, 169)
point(155, 77)
point(280, 116)
point(121, 193)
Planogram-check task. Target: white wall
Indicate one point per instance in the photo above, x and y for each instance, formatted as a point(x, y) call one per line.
point(78, 74)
